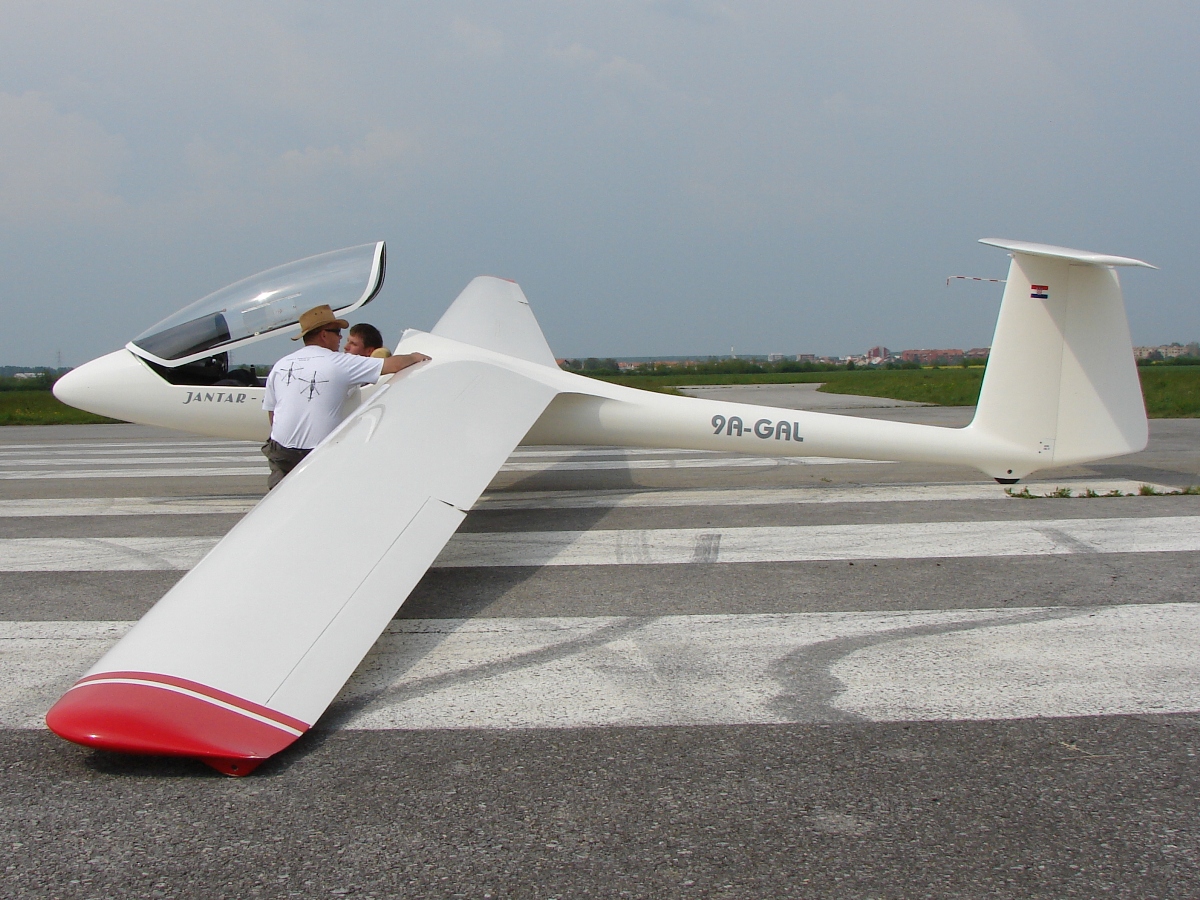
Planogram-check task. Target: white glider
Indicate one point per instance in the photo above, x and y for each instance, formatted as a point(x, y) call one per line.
point(247, 651)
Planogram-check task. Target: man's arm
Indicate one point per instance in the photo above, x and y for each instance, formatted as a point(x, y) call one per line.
point(394, 364)
point(269, 398)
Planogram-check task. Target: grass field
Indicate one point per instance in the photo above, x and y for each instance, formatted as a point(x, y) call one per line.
point(1171, 392)
point(41, 408)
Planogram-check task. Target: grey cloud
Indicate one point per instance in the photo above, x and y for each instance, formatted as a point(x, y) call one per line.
point(662, 177)
point(56, 166)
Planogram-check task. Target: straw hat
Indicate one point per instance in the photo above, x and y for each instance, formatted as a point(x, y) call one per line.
point(318, 317)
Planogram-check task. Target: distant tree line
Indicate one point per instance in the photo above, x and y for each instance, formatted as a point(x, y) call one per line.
point(1173, 361)
point(42, 381)
point(592, 365)
point(718, 366)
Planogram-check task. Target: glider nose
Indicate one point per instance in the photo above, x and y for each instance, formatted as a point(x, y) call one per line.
point(104, 385)
point(72, 387)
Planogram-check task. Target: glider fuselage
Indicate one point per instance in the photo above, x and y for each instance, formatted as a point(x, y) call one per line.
point(585, 412)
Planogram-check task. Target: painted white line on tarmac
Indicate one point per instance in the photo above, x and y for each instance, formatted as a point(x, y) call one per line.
point(726, 462)
point(112, 468)
point(129, 460)
point(922, 540)
point(67, 449)
point(1113, 661)
point(132, 554)
point(716, 670)
point(125, 506)
point(861, 493)
point(649, 499)
point(67, 446)
point(39, 661)
point(43, 475)
point(673, 546)
point(132, 450)
point(601, 451)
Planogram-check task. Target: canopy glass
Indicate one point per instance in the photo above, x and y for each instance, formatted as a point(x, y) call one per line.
point(265, 304)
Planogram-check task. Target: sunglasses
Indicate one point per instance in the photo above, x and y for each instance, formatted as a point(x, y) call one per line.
point(336, 331)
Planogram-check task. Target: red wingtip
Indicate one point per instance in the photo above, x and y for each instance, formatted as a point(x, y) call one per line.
point(140, 712)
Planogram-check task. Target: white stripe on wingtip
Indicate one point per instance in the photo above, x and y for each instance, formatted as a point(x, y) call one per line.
point(258, 717)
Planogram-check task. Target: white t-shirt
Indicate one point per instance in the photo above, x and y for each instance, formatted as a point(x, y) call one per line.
point(307, 390)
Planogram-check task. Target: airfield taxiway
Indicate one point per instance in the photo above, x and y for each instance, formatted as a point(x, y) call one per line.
point(645, 674)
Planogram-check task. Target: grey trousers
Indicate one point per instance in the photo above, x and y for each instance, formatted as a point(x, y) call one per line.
point(282, 459)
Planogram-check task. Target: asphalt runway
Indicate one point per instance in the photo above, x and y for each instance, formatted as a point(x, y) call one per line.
point(645, 674)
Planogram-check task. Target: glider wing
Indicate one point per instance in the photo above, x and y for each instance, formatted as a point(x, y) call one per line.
point(249, 648)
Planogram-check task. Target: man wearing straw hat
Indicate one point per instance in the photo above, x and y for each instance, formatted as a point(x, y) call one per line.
point(306, 389)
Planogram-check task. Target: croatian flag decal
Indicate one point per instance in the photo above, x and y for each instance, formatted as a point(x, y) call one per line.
point(1039, 291)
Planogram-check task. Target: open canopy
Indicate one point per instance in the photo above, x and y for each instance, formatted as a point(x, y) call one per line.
point(264, 305)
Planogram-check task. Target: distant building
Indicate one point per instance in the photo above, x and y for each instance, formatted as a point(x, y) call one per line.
point(978, 353)
point(27, 374)
point(933, 357)
point(1167, 351)
point(876, 356)
point(806, 357)
point(775, 357)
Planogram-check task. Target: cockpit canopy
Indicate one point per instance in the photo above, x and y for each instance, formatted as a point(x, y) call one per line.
point(264, 305)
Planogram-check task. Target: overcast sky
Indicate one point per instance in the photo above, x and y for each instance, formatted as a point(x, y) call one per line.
point(665, 177)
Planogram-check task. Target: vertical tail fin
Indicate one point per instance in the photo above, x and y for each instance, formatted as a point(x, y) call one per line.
point(493, 313)
point(1061, 384)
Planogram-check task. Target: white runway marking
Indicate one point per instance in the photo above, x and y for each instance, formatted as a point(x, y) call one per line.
point(132, 459)
point(582, 452)
point(134, 554)
point(114, 457)
point(198, 461)
point(715, 670)
point(119, 468)
point(719, 462)
point(125, 506)
point(649, 499)
point(39, 661)
point(119, 447)
point(46, 462)
point(862, 493)
point(924, 540)
point(670, 546)
point(134, 473)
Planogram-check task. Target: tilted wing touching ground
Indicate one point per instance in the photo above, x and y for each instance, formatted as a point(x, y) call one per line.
point(243, 655)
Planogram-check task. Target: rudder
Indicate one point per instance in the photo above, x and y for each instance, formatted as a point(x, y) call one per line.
point(1061, 384)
